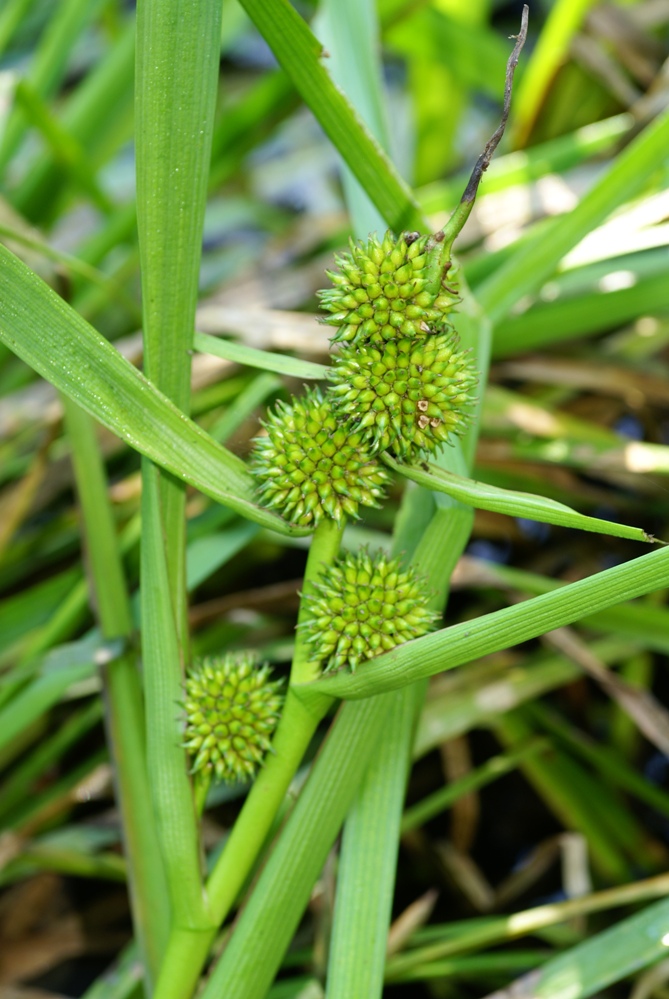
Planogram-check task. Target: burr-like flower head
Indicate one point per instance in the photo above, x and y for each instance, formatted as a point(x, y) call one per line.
point(365, 605)
point(406, 395)
point(313, 464)
point(381, 291)
point(232, 708)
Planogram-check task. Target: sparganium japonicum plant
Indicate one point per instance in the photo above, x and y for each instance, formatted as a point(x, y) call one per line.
point(382, 291)
point(364, 605)
point(314, 464)
point(232, 707)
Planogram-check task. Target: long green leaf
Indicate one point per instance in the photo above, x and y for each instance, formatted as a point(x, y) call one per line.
point(300, 53)
point(515, 504)
point(469, 640)
point(46, 333)
point(170, 786)
point(246, 972)
point(282, 364)
point(538, 258)
point(596, 963)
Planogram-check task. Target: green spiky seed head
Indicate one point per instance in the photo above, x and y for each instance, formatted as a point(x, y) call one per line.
point(364, 605)
point(232, 708)
point(408, 395)
point(313, 465)
point(381, 291)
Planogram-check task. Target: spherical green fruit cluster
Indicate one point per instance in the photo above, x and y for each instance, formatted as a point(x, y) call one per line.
point(232, 708)
point(313, 464)
point(408, 395)
point(380, 291)
point(364, 605)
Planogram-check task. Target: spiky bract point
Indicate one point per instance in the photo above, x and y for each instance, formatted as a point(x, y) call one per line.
point(408, 395)
point(381, 291)
point(313, 465)
point(364, 605)
point(232, 708)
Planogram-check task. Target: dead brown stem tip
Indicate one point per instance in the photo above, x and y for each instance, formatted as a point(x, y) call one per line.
point(483, 161)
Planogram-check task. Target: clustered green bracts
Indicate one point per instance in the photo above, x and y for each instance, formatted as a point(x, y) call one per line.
point(312, 464)
point(232, 708)
point(364, 605)
point(399, 383)
point(408, 396)
point(381, 291)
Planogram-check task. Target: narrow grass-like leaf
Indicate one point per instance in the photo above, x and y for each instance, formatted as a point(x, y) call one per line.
point(18, 786)
point(38, 326)
point(579, 315)
point(641, 622)
point(520, 924)
point(49, 63)
point(501, 629)
point(282, 364)
point(579, 801)
point(170, 786)
point(538, 258)
point(514, 504)
point(124, 708)
point(524, 166)
point(270, 917)
point(494, 768)
point(91, 118)
point(11, 16)
point(475, 697)
point(552, 49)
point(616, 953)
point(604, 758)
point(300, 54)
point(38, 697)
point(368, 858)
point(207, 554)
point(350, 31)
point(64, 148)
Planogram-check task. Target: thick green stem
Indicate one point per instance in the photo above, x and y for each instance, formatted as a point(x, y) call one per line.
point(323, 551)
point(188, 951)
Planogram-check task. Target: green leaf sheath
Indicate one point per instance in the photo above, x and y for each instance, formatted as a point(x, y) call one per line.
point(62, 347)
point(370, 844)
point(501, 629)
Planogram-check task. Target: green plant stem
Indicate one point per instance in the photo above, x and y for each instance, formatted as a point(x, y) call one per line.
point(122, 695)
point(322, 553)
point(243, 972)
point(188, 951)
